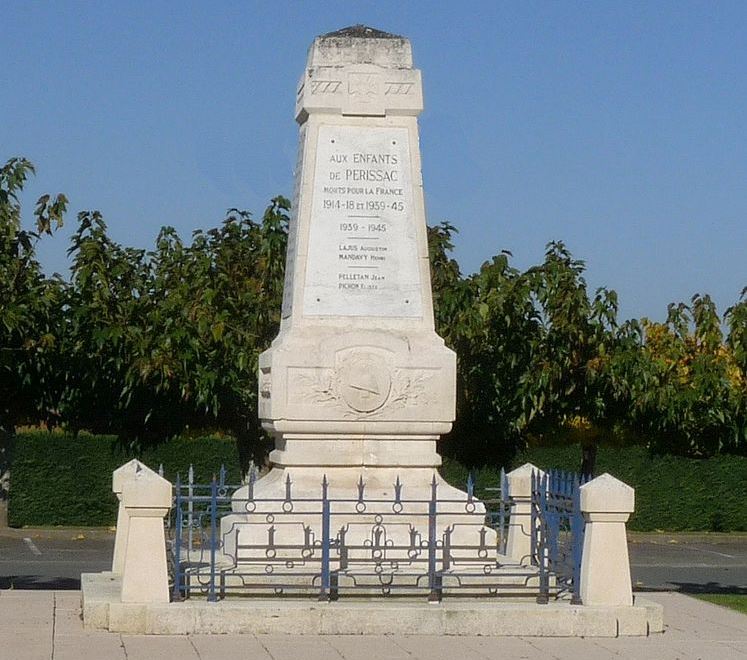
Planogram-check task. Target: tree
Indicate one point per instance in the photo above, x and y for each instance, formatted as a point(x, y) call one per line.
point(29, 302)
point(684, 385)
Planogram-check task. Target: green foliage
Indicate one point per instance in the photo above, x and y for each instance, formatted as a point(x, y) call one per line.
point(59, 479)
point(682, 384)
point(29, 302)
point(159, 341)
point(149, 344)
point(673, 493)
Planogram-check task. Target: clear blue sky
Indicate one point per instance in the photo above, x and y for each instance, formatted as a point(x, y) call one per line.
point(618, 127)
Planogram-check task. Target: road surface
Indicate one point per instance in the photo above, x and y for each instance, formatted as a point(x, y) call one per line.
point(692, 563)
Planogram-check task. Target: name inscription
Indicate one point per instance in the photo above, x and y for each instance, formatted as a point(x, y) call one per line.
point(362, 258)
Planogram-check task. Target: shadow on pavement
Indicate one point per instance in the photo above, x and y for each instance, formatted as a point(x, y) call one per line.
point(697, 588)
point(38, 582)
point(709, 588)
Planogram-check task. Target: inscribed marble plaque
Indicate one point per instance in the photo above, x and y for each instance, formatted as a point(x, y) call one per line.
point(362, 256)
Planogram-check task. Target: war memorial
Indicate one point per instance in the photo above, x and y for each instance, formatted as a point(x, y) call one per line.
point(353, 530)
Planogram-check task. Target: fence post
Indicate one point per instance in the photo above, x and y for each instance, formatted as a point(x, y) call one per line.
point(177, 549)
point(147, 500)
point(606, 504)
point(212, 597)
point(520, 528)
point(577, 541)
point(434, 580)
point(122, 474)
point(191, 506)
point(502, 504)
point(324, 593)
point(541, 532)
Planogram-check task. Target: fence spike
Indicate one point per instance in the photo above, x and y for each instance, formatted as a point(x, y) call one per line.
point(222, 475)
point(160, 470)
point(250, 485)
point(191, 474)
point(470, 487)
point(288, 483)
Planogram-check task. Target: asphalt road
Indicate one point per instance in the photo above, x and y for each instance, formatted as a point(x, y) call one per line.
point(52, 559)
point(713, 563)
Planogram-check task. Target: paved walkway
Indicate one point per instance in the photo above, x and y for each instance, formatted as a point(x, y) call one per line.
point(46, 625)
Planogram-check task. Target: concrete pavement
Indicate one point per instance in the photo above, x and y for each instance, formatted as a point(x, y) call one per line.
point(46, 625)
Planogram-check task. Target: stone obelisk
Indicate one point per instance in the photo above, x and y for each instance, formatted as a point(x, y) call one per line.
point(357, 384)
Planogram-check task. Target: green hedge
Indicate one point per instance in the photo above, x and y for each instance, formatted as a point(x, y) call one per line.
point(58, 479)
point(672, 493)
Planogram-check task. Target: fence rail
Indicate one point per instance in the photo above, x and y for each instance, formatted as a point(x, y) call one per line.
point(366, 544)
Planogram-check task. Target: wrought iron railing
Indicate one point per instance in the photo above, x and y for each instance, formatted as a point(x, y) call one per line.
point(331, 547)
point(558, 529)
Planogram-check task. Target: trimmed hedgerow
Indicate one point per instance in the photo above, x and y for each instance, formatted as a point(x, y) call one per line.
point(672, 493)
point(58, 479)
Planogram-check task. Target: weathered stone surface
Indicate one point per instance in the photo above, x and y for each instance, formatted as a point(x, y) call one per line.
point(605, 580)
point(146, 499)
point(122, 474)
point(357, 385)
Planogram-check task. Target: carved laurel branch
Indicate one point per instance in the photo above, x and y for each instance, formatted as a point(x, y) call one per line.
point(319, 388)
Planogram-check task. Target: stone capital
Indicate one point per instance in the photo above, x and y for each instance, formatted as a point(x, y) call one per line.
point(124, 473)
point(605, 494)
point(520, 480)
point(359, 72)
point(148, 492)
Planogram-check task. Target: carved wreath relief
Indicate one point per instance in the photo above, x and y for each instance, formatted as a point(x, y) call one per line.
point(364, 385)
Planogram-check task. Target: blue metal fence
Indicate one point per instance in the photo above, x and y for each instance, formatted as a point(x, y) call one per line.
point(558, 529)
point(221, 545)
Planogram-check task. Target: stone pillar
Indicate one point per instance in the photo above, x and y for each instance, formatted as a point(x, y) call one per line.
point(357, 384)
point(606, 503)
point(147, 499)
point(119, 477)
point(357, 387)
point(519, 539)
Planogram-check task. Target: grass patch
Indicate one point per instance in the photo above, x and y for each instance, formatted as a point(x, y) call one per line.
point(736, 602)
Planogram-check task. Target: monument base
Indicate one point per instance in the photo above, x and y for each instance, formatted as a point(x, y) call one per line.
point(103, 610)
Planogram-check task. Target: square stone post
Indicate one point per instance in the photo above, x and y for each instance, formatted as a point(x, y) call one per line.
point(119, 476)
point(147, 500)
point(519, 538)
point(606, 504)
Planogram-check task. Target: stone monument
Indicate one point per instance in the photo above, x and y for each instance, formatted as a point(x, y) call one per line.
point(357, 387)
point(357, 384)
point(356, 390)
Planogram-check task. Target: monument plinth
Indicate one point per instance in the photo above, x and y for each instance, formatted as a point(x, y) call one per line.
point(357, 383)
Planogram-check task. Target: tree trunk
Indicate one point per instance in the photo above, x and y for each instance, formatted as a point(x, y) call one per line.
point(253, 446)
point(588, 460)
